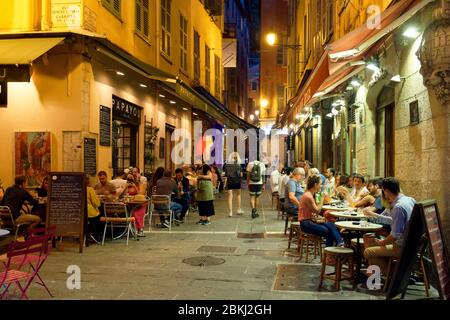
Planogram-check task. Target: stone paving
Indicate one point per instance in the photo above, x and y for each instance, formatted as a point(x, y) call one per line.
point(153, 268)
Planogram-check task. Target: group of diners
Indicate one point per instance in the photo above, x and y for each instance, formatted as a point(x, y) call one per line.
point(303, 191)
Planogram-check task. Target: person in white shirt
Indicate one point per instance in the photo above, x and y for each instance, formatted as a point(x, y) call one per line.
point(255, 181)
point(330, 181)
point(274, 179)
point(142, 180)
point(120, 183)
point(283, 180)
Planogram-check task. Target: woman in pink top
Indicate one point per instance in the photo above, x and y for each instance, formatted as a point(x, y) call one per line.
point(308, 212)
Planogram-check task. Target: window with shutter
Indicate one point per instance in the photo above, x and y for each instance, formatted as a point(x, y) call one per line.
point(196, 56)
point(142, 23)
point(217, 75)
point(207, 66)
point(166, 6)
point(183, 43)
point(113, 6)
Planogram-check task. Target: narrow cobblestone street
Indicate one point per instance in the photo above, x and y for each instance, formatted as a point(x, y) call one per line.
point(153, 268)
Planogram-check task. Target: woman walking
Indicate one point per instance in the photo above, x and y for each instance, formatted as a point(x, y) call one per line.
point(205, 195)
point(233, 172)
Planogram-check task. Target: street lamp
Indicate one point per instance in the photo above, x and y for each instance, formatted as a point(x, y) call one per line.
point(271, 39)
point(264, 103)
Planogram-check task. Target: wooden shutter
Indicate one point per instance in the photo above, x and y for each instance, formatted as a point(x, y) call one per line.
point(145, 18)
point(138, 15)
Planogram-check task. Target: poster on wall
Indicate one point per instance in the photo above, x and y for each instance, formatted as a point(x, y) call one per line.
point(32, 156)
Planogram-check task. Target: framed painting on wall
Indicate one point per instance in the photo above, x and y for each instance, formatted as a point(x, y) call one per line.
point(32, 157)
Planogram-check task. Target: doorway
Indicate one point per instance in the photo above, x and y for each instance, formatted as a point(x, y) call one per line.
point(385, 134)
point(169, 145)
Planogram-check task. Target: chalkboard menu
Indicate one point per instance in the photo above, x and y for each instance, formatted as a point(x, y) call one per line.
point(438, 248)
point(105, 126)
point(424, 228)
point(66, 204)
point(90, 156)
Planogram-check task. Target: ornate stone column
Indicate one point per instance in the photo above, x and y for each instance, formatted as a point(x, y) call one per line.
point(434, 56)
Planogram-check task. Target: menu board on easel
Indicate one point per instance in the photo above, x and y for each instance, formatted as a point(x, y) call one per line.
point(424, 228)
point(66, 204)
point(438, 248)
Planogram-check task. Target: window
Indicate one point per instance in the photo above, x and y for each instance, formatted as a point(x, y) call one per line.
point(196, 56)
point(207, 66)
point(280, 96)
point(165, 26)
point(330, 17)
point(217, 75)
point(142, 17)
point(183, 43)
point(113, 6)
point(280, 55)
point(254, 86)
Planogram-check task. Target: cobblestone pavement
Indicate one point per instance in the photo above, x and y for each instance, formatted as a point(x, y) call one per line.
point(153, 267)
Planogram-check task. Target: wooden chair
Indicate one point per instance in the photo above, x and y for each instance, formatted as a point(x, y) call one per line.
point(116, 214)
point(304, 239)
point(340, 256)
point(275, 199)
point(294, 231)
point(161, 201)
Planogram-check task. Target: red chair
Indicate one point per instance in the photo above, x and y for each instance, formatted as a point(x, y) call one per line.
point(24, 260)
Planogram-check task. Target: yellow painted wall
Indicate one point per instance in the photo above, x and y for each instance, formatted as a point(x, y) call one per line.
point(49, 102)
point(20, 15)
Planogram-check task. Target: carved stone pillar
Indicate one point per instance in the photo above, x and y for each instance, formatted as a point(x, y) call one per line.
point(435, 53)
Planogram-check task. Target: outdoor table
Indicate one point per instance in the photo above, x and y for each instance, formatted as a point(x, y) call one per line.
point(336, 208)
point(351, 215)
point(5, 240)
point(359, 229)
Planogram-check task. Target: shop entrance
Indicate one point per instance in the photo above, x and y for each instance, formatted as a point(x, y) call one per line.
point(385, 135)
point(169, 145)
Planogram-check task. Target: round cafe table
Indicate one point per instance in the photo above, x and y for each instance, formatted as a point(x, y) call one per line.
point(359, 229)
point(351, 215)
point(336, 208)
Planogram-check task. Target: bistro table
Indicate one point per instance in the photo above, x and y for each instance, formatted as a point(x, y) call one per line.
point(351, 215)
point(5, 240)
point(336, 208)
point(359, 229)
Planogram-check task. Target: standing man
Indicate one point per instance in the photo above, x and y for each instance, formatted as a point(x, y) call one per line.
point(255, 181)
point(183, 190)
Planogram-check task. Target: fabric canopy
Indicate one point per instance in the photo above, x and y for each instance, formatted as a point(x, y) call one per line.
point(25, 51)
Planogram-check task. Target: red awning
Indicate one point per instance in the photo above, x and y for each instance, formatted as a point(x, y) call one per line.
point(355, 43)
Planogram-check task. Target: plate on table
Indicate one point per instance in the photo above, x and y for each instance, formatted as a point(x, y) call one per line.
point(4, 232)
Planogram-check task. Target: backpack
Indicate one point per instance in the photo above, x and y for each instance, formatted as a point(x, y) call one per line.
point(233, 171)
point(255, 174)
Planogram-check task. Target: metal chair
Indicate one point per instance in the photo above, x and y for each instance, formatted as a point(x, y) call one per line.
point(8, 222)
point(116, 214)
point(18, 270)
point(163, 202)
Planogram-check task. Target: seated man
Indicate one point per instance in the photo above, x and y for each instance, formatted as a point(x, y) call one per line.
point(294, 192)
point(120, 183)
point(166, 186)
point(103, 187)
point(400, 213)
point(15, 197)
point(358, 192)
point(183, 191)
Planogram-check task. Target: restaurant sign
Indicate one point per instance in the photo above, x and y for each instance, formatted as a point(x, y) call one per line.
point(66, 14)
point(126, 111)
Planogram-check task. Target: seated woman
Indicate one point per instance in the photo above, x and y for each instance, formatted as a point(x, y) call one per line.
point(132, 189)
point(309, 215)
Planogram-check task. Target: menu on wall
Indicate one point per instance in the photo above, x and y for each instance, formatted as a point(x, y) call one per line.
point(90, 156)
point(105, 126)
point(66, 204)
point(438, 249)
